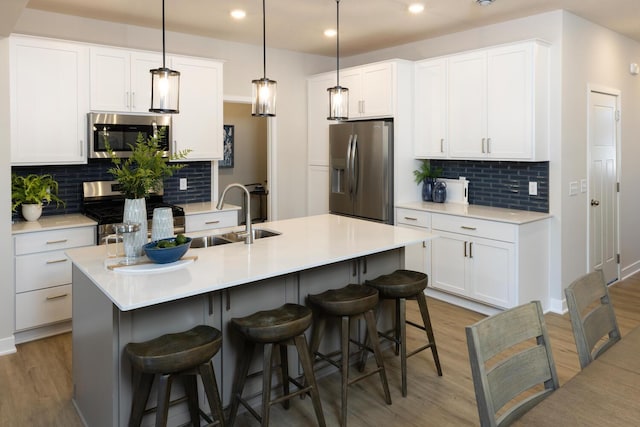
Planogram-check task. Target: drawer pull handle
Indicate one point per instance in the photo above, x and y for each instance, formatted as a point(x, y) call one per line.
point(57, 297)
point(470, 249)
point(57, 261)
point(410, 218)
point(464, 227)
point(213, 222)
point(53, 242)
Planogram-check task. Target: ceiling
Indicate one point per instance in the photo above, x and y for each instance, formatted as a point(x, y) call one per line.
point(365, 25)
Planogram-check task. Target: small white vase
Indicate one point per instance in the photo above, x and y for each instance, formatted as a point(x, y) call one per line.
point(31, 211)
point(135, 211)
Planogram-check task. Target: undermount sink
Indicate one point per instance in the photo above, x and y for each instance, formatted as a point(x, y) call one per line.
point(231, 237)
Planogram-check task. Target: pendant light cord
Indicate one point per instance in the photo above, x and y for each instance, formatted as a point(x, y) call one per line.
point(337, 43)
point(264, 42)
point(163, 56)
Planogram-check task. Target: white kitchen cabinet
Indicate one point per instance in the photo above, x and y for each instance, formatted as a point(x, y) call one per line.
point(430, 109)
point(371, 90)
point(496, 263)
point(198, 126)
point(49, 101)
point(120, 79)
point(210, 220)
point(318, 190)
point(490, 104)
point(417, 256)
point(43, 274)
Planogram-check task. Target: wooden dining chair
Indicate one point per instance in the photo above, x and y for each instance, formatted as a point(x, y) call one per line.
point(592, 317)
point(511, 363)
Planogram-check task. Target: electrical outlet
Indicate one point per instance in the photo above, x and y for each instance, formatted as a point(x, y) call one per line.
point(533, 188)
point(183, 183)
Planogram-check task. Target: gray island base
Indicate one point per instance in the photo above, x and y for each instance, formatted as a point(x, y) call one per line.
point(111, 309)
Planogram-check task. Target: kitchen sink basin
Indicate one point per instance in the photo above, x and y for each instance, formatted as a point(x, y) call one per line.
point(208, 241)
point(231, 237)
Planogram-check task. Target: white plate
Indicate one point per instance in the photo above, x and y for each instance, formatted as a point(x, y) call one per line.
point(147, 268)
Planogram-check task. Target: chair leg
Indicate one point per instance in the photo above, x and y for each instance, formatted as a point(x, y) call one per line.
point(241, 377)
point(401, 308)
point(164, 391)
point(191, 390)
point(284, 369)
point(266, 383)
point(398, 325)
point(211, 390)
point(307, 368)
point(140, 397)
point(344, 372)
point(319, 325)
point(375, 343)
point(424, 311)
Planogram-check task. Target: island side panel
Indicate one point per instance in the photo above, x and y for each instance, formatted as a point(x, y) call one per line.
point(95, 350)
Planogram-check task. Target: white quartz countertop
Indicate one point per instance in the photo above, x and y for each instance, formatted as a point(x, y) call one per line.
point(304, 243)
point(513, 216)
point(52, 222)
point(206, 207)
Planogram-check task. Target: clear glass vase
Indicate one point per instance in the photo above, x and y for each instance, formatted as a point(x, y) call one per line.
point(135, 211)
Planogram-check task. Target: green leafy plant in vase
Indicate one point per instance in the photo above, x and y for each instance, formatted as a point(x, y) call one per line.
point(31, 192)
point(427, 176)
point(139, 175)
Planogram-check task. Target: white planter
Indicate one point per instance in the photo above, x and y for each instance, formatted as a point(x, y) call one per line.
point(135, 211)
point(31, 211)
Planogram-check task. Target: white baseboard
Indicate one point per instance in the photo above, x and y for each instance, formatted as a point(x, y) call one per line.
point(7, 345)
point(630, 270)
point(43, 332)
point(558, 306)
point(462, 302)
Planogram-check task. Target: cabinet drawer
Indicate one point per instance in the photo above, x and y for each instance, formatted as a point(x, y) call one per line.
point(474, 227)
point(210, 221)
point(413, 217)
point(54, 240)
point(44, 306)
point(42, 270)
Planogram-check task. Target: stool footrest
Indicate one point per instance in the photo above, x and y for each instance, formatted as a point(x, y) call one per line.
point(363, 376)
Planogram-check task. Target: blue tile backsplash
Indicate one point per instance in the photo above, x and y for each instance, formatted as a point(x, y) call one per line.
point(501, 184)
point(71, 177)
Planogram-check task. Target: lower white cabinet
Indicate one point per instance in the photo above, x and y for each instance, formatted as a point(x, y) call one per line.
point(496, 263)
point(417, 257)
point(43, 274)
point(210, 220)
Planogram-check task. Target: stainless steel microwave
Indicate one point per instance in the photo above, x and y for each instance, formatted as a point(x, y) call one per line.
point(122, 130)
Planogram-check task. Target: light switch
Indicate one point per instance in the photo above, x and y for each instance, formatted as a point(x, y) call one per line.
point(533, 188)
point(573, 188)
point(583, 185)
point(183, 183)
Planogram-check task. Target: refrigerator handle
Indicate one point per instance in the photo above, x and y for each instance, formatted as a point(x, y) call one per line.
point(348, 174)
point(355, 172)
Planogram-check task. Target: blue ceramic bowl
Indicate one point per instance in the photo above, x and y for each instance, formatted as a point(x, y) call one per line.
point(166, 255)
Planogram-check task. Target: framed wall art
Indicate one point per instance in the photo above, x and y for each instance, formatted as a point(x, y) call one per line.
point(227, 161)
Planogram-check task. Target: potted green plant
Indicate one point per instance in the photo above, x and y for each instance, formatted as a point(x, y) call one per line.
point(140, 174)
point(427, 176)
point(31, 191)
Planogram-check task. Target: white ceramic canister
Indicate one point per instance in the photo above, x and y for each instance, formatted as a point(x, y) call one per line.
point(162, 224)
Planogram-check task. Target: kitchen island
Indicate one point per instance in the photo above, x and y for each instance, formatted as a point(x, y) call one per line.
point(113, 308)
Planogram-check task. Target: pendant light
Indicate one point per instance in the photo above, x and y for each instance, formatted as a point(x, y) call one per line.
point(263, 90)
point(338, 95)
point(165, 85)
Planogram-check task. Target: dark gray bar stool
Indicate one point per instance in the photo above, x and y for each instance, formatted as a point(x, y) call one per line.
point(400, 286)
point(347, 303)
point(275, 328)
point(185, 354)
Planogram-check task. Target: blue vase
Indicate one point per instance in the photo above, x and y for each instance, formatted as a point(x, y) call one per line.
point(427, 189)
point(439, 192)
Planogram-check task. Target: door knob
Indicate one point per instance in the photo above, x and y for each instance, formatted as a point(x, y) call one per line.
point(595, 202)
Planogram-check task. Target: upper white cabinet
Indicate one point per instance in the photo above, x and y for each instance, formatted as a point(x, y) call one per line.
point(494, 102)
point(49, 101)
point(120, 79)
point(198, 126)
point(371, 90)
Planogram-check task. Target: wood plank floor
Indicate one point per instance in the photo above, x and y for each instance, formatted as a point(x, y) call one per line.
point(36, 387)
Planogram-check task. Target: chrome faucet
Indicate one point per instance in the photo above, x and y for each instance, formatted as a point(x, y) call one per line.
point(248, 232)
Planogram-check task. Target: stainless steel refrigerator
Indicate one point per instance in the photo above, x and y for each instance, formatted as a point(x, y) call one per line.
point(361, 169)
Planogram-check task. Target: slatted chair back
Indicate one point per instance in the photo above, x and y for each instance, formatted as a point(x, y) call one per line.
point(510, 358)
point(592, 317)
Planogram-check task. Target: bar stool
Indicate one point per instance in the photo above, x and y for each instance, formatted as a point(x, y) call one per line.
point(277, 328)
point(347, 303)
point(185, 354)
point(400, 286)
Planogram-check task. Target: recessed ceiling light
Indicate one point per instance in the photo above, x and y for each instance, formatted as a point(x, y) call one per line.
point(416, 8)
point(238, 14)
point(331, 32)
point(484, 2)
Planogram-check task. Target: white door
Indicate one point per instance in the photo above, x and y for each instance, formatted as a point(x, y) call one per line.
point(603, 200)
